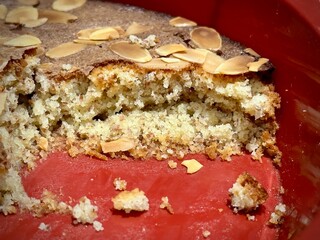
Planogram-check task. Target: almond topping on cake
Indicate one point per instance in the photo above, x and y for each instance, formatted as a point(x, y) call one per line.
point(29, 2)
point(16, 14)
point(56, 16)
point(23, 41)
point(104, 34)
point(137, 28)
point(131, 51)
point(235, 65)
point(192, 55)
point(207, 38)
point(67, 5)
point(31, 23)
point(3, 11)
point(168, 49)
point(65, 49)
point(182, 22)
point(254, 66)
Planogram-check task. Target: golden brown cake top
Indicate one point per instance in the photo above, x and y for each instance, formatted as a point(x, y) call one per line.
point(97, 32)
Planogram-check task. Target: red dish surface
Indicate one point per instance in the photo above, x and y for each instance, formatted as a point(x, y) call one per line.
point(196, 199)
point(288, 33)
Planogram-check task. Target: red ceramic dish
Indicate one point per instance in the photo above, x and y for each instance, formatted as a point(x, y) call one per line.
point(286, 32)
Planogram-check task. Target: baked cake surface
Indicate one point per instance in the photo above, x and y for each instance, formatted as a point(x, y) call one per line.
point(116, 88)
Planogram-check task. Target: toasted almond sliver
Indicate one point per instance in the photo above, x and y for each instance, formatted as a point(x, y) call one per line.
point(104, 34)
point(182, 22)
point(15, 14)
point(170, 59)
point(23, 41)
point(136, 28)
point(157, 63)
point(254, 66)
point(88, 42)
point(85, 33)
point(207, 38)
point(131, 51)
point(251, 52)
point(67, 5)
point(56, 16)
point(3, 98)
point(235, 65)
point(168, 49)
point(3, 11)
point(119, 145)
point(31, 23)
point(192, 55)
point(65, 49)
point(212, 62)
point(29, 2)
point(192, 165)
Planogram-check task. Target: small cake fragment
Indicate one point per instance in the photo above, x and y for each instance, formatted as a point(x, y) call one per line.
point(250, 217)
point(134, 200)
point(206, 233)
point(44, 227)
point(172, 164)
point(84, 212)
point(3, 97)
point(97, 226)
point(192, 165)
point(120, 184)
point(166, 205)
point(247, 193)
point(276, 217)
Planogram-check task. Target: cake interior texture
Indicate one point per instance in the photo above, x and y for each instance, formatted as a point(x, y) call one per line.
point(147, 112)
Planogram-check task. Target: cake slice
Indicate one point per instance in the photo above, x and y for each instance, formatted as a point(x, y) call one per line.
point(90, 81)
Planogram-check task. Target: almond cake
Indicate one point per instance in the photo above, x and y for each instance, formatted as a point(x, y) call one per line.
point(77, 76)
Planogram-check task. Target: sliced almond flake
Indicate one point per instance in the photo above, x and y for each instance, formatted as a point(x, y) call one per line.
point(29, 2)
point(65, 49)
point(207, 38)
point(15, 14)
point(192, 55)
point(85, 33)
point(136, 28)
point(56, 16)
point(3, 98)
point(67, 5)
point(182, 22)
point(23, 41)
point(192, 165)
point(168, 49)
point(251, 52)
point(131, 51)
point(212, 62)
point(170, 60)
point(31, 23)
point(3, 11)
point(104, 34)
point(157, 63)
point(88, 42)
point(235, 65)
point(119, 145)
point(254, 66)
